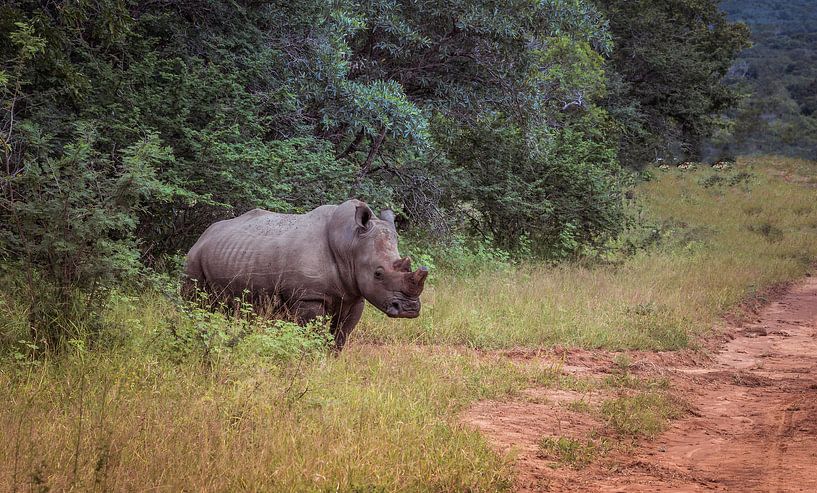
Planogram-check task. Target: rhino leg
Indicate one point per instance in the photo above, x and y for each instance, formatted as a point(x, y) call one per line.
point(343, 324)
point(192, 279)
point(305, 311)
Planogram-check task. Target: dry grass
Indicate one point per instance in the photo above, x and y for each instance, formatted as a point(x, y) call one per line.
point(384, 418)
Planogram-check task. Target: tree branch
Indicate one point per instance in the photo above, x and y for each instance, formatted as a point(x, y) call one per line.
point(353, 145)
point(372, 153)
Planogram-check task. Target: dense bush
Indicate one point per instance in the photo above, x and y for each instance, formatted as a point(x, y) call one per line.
point(68, 222)
point(549, 192)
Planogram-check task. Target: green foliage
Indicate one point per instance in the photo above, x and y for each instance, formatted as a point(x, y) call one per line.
point(729, 179)
point(67, 219)
point(287, 106)
point(458, 255)
point(195, 330)
point(666, 76)
point(556, 189)
point(287, 341)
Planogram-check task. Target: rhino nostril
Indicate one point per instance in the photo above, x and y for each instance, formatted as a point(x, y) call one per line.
point(394, 309)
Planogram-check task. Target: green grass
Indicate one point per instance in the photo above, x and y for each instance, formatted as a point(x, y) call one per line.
point(641, 414)
point(716, 246)
point(149, 410)
point(574, 452)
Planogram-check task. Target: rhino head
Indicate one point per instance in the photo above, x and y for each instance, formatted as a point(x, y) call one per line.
point(383, 277)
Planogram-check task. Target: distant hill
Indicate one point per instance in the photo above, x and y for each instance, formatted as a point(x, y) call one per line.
point(789, 16)
point(779, 76)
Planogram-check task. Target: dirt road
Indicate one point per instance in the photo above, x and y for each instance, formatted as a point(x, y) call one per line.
point(751, 425)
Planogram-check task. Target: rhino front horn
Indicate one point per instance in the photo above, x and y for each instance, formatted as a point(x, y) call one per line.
point(419, 277)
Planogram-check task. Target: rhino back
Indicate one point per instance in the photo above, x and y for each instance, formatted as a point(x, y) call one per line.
point(264, 251)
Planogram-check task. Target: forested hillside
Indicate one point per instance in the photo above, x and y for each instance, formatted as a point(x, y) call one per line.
point(779, 77)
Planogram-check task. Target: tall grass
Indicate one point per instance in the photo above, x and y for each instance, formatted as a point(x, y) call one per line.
point(721, 235)
point(144, 412)
point(368, 421)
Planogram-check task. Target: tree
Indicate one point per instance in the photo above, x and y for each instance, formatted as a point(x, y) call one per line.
point(287, 105)
point(669, 61)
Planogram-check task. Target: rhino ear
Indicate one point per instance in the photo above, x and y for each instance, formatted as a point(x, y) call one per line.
point(388, 216)
point(363, 216)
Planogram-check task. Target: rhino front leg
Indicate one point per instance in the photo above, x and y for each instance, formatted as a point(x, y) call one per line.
point(343, 324)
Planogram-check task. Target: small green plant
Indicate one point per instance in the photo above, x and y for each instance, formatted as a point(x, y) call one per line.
point(712, 180)
point(737, 178)
point(573, 452)
point(579, 406)
point(622, 378)
point(740, 178)
point(642, 414)
point(279, 340)
point(235, 330)
point(622, 362)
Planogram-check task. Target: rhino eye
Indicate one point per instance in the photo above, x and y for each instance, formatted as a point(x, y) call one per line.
point(378, 274)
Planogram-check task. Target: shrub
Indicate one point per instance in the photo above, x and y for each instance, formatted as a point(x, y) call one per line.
point(550, 191)
point(67, 220)
point(642, 414)
point(195, 329)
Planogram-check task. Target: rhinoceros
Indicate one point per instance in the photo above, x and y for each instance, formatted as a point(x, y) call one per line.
point(324, 262)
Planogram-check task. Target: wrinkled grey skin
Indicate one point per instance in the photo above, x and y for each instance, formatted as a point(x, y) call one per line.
point(325, 262)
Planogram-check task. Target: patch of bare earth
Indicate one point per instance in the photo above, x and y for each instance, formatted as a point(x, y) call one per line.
point(751, 425)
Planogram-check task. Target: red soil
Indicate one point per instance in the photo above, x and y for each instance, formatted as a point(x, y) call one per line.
point(751, 425)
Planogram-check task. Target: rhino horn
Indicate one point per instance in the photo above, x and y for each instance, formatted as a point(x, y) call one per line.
point(402, 265)
point(415, 281)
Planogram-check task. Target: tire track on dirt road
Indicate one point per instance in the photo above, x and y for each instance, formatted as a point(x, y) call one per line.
point(752, 424)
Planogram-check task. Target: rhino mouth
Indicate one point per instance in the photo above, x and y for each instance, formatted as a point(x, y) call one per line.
point(403, 308)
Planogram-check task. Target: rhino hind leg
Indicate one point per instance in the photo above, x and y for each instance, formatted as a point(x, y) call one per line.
point(189, 288)
point(192, 279)
point(305, 311)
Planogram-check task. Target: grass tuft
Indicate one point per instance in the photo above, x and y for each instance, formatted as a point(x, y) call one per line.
point(645, 414)
point(573, 452)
